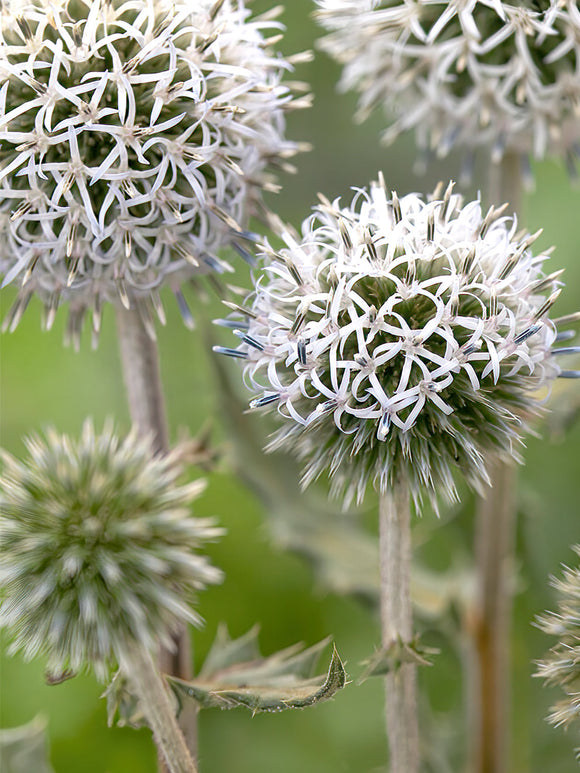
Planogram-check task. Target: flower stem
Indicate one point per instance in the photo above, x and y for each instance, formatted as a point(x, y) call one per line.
point(140, 362)
point(397, 626)
point(494, 547)
point(150, 689)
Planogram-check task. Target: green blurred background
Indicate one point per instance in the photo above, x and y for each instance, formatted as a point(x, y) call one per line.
point(44, 383)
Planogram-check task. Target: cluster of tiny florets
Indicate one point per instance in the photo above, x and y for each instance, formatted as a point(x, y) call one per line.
point(135, 140)
point(561, 667)
point(399, 338)
point(99, 548)
point(464, 73)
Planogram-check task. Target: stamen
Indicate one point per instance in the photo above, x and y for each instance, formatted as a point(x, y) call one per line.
point(525, 334)
point(230, 352)
point(260, 402)
point(248, 339)
point(567, 350)
point(301, 347)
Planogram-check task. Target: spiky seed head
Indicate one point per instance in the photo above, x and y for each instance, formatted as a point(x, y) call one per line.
point(399, 337)
point(99, 548)
point(136, 139)
point(561, 666)
point(465, 73)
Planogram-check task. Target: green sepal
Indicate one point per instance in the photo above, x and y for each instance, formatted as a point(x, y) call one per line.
point(122, 706)
point(398, 653)
point(24, 749)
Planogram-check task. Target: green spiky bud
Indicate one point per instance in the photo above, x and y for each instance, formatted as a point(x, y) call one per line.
point(100, 549)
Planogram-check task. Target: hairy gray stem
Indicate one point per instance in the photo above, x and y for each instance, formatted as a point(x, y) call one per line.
point(151, 691)
point(140, 362)
point(494, 547)
point(397, 626)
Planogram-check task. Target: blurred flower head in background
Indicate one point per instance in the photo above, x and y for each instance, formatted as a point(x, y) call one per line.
point(464, 73)
point(399, 338)
point(136, 139)
point(99, 548)
point(561, 667)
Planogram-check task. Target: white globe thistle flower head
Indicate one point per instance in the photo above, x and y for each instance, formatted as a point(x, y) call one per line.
point(465, 73)
point(400, 338)
point(561, 666)
point(100, 550)
point(136, 139)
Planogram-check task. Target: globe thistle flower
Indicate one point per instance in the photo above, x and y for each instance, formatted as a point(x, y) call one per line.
point(136, 139)
point(465, 73)
point(99, 549)
point(400, 339)
point(561, 666)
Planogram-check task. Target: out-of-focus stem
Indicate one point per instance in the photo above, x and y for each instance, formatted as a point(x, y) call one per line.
point(495, 537)
point(140, 362)
point(397, 626)
point(490, 687)
point(147, 684)
point(505, 183)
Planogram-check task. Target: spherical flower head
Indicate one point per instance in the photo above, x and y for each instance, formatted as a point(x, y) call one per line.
point(99, 548)
point(561, 666)
point(464, 73)
point(399, 339)
point(136, 139)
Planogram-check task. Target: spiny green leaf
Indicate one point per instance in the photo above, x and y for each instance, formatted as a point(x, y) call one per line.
point(234, 674)
point(391, 658)
point(24, 749)
point(280, 681)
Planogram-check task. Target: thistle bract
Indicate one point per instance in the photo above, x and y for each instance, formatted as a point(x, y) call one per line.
point(561, 666)
point(464, 73)
point(99, 548)
point(399, 338)
point(135, 140)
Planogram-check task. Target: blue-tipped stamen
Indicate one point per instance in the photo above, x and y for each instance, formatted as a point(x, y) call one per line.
point(301, 347)
point(567, 350)
point(244, 253)
point(232, 324)
point(260, 402)
point(250, 340)
point(569, 374)
point(525, 334)
point(230, 352)
point(566, 335)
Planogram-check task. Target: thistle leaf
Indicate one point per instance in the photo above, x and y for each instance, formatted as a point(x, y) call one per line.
point(24, 749)
point(235, 674)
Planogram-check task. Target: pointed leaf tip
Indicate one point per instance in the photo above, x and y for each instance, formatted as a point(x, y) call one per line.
point(275, 683)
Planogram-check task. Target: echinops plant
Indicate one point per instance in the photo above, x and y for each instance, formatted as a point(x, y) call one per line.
point(467, 74)
point(101, 561)
point(400, 342)
point(136, 140)
point(561, 666)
